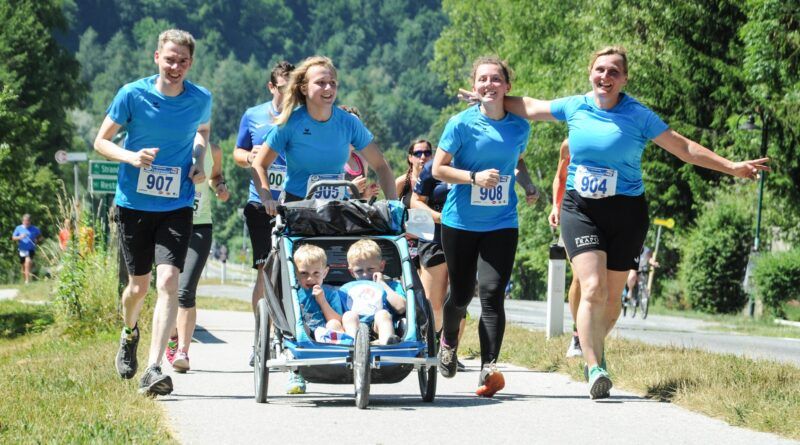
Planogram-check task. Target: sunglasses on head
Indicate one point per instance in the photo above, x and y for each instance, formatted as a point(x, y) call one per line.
point(419, 154)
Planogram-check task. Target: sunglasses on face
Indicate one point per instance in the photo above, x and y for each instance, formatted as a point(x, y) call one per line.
point(419, 154)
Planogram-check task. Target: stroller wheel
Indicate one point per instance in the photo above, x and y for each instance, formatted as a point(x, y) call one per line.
point(427, 376)
point(261, 346)
point(361, 366)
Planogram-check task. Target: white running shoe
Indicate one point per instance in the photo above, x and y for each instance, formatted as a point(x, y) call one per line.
point(574, 349)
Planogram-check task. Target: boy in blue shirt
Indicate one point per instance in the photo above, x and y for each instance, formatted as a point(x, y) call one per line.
point(371, 299)
point(320, 305)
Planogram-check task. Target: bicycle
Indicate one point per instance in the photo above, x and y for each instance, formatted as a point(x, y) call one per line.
point(640, 298)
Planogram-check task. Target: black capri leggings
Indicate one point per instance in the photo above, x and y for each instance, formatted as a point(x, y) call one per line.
point(491, 255)
point(199, 247)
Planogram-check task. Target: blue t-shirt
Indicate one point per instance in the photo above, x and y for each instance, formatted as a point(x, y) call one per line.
point(154, 120)
point(310, 310)
point(256, 123)
point(609, 139)
point(316, 148)
point(29, 242)
point(367, 297)
point(478, 143)
point(436, 191)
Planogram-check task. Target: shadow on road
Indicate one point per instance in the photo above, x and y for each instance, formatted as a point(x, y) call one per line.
point(203, 335)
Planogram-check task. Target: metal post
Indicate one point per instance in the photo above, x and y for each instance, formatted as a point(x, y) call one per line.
point(652, 273)
point(75, 174)
point(556, 280)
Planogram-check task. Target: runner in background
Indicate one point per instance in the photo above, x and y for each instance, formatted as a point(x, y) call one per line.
point(356, 169)
point(27, 237)
point(574, 293)
point(253, 128)
point(199, 248)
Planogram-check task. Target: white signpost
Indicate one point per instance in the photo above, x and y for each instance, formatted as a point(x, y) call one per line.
point(62, 157)
point(556, 279)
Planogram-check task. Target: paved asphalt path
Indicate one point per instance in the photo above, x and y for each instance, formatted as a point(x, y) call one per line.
point(213, 404)
point(657, 329)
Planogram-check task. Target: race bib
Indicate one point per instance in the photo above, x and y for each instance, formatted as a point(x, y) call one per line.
point(327, 192)
point(276, 177)
point(24, 253)
point(158, 180)
point(595, 182)
point(198, 202)
point(496, 196)
point(364, 297)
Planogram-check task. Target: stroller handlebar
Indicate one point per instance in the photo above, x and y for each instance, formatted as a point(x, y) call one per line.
point(333, 183)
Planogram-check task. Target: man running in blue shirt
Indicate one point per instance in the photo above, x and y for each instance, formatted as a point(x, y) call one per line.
point(27, 236)
point(160, 163)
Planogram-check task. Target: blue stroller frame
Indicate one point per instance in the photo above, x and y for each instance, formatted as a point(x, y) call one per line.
point(290, 345)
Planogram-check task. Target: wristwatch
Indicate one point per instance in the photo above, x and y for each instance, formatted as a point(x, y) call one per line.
point(472, 177)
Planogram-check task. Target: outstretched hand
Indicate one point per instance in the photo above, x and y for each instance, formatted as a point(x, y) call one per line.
point(750, 169)
point(469, 97)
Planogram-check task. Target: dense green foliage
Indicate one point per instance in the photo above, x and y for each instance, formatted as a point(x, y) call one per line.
point(777, 279)
point(38, 83)
point(714, 255)
point(702, 66)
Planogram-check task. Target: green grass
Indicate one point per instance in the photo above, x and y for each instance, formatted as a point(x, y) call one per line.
point(18, 318)
point(223, 304)
point(756, 394)
point(58, 389)
point(792, 311)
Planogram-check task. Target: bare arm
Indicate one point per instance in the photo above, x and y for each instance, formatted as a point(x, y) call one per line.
point(217, 181)
point(397, 302)
point(693, 153)
point(113, 152)
point(421, 202)
point(322, 301)
point(378, 163)
point(443, 171)
point(526, 107)
point(559, 184)
point(524, 181)
point(197, 173)
point(265, 157)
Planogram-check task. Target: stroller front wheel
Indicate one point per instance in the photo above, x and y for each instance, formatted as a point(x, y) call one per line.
point(361, 366)
point(261, 352)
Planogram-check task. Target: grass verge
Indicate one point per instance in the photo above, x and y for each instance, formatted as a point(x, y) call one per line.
point(223, 304)
point(18, 318)
point(59, 389)
point(756, 394)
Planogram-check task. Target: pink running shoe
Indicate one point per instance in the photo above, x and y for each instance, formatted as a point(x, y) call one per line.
point(181, 362)
point(172, 349)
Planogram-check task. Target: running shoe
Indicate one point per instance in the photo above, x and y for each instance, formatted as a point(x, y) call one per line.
point(586, 367)
point(172, 348)
point(460, 366)
point(126, 356)
point(490, 381)
point(599, 383)
point(448, 360)
point(181, 362)
point(154, 383)
point(574, 349)
point(296, 384)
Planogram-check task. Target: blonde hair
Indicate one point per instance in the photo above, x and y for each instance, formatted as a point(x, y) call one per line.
point(365, 249)
point(309, 254)
point(610, 50)
point(508, 73)
point(178, 37)
point(294, 96)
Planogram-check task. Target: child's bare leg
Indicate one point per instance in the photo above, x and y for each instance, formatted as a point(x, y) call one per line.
point(334, 325)
point(350, 321)
point(384, 326)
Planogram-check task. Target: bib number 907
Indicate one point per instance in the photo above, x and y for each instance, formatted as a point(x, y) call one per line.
point(158, 180)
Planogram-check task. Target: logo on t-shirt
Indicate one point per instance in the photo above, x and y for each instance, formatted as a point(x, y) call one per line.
point(306, 131)
point(156, 105)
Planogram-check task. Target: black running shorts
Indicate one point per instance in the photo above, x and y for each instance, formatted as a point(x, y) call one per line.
point(616, 225)
point(430, 254)
point(260, 225)
point(146, 237)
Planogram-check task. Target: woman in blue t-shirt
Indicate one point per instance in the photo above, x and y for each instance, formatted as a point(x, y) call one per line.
point(315, 137)
point(479, 152)
point(604, 214)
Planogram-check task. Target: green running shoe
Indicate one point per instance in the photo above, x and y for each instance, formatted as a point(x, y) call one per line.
point(599, 383)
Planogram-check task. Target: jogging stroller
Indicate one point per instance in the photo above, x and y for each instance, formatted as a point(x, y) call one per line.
point(334, 225)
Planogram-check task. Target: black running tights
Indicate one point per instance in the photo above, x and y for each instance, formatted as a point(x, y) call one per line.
point(491, 255)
